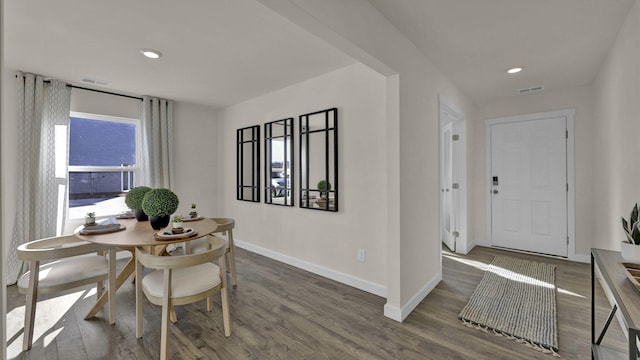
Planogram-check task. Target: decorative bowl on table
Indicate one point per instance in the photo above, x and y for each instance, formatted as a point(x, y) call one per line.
point(101, 229)
point(192, 218)
point(126, 215)
point(169, 235)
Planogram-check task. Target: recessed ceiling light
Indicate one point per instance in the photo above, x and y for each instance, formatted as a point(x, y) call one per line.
point(150, 53)
point(514, 70)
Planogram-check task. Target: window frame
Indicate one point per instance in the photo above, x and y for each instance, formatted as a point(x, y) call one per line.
point(135, 169)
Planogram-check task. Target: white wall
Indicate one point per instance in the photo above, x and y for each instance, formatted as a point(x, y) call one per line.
point(413, 86)
point(97, 103)
point(579, 99)
point(320, 239)
point(616, 135)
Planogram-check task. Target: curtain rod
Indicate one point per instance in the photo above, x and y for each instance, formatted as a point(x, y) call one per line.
point(96, 90)
point(104, 92)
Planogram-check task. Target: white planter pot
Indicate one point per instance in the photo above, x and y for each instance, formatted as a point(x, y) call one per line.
point(630, 252)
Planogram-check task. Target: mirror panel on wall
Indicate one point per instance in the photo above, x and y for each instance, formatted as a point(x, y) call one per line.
point(248, 164)
point(278, 146)
point(319, 160)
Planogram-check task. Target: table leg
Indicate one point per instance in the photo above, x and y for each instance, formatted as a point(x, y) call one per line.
point(128, 269)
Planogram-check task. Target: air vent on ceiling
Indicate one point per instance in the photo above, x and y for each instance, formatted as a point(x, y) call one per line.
point(95, 82)
point(531, 89)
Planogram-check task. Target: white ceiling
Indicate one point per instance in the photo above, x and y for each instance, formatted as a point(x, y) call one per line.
point(560, 43)
point(221, 52)
point(216, 52)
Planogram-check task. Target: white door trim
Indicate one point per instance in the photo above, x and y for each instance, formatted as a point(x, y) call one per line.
point(460, 128)
point(448, 176)
point(568, 114)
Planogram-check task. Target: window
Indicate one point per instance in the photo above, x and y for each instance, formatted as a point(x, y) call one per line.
point(103, 160)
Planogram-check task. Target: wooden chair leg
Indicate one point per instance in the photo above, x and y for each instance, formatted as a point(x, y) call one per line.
point(138, 300)
point(231, 259)
point(224, 296)
point(166, 308)
point(30, 305)
point(112, 286)
point(225, 312)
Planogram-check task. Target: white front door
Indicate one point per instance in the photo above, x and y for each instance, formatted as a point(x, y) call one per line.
point(448, 210)
point(528, 185)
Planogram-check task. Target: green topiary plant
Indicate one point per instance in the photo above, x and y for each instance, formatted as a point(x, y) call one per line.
point(160, 202)
point(135, 196)
point(324, 185)
point(632, 227)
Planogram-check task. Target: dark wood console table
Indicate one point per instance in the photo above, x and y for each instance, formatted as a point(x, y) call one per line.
point(627, 301)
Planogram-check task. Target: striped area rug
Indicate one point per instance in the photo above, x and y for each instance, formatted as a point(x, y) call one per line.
point(516, 299)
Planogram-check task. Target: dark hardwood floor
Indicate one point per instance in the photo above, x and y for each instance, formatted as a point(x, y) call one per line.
point(280, 312)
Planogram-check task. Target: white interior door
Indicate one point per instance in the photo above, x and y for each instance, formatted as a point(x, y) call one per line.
point(447, 200)
point(529, 185)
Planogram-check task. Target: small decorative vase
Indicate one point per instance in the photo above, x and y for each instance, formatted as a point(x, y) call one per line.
point(89, 221)
point(630, 252)
point(177, 227)
point(159, 222)
point(141, 216)
point(193, 214)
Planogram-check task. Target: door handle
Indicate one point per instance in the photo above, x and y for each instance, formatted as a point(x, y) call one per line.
point(495, 191)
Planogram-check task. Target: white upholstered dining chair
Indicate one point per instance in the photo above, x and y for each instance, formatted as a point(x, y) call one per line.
point(225, 227)
point(179, 280)
point(61, 263)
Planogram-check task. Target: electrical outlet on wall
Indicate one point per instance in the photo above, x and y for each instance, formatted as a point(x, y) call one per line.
point(362, 255)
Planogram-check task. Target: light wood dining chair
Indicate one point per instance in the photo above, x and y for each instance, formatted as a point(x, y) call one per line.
point(62, 263)
point(225, 227)
point(179, 280)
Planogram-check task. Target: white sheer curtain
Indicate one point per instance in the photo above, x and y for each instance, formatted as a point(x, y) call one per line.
point(43, 117)
point(157, 143)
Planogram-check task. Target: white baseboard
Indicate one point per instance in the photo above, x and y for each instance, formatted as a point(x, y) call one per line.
point(399, 314)
point(347, 279)
point(393, 312)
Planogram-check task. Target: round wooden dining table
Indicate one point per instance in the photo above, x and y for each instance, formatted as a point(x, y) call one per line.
point(140, 234)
